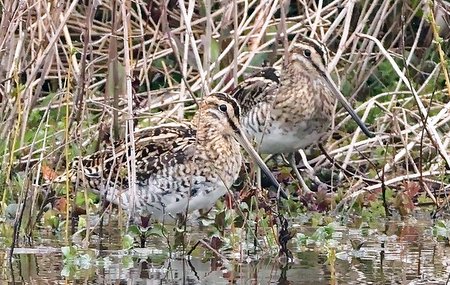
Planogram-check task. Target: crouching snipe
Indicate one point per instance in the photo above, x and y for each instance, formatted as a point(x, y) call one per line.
point(179, 167)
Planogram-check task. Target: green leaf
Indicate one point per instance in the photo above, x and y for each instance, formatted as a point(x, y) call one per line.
point(69, 252)
point(127, 242)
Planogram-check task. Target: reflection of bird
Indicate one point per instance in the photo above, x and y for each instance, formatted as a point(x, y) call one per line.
point(292, 108)
point(179, 167)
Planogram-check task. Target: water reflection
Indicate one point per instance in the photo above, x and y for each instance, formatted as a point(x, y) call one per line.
point(398, 254)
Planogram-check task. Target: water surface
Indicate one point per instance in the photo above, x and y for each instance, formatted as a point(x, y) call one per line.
point(396, 253)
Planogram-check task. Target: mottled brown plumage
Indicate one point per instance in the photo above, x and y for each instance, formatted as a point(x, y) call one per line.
point(179, 167)
point(291, 108)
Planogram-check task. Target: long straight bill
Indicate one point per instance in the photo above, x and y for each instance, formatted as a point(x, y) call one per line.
point(347, 106)
point(242, 139)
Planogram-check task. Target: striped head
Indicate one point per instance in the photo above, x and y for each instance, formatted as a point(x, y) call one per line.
point(221, 111)
point(309, 56)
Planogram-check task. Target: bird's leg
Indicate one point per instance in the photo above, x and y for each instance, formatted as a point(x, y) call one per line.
point(305, 188)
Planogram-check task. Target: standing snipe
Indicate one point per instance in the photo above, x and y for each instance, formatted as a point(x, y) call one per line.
point(179, 167)
point(292, 108)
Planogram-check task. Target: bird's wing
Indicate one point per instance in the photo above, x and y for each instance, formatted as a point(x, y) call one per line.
point(258, 88)
point(155, 149)
point(163, 147)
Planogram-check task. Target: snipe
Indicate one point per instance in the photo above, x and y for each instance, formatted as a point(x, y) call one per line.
point(179, 167)
point(291, 108)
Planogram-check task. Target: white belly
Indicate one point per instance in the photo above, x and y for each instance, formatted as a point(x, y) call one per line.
point(185, 205)
point(278, 139)
point(164, 206)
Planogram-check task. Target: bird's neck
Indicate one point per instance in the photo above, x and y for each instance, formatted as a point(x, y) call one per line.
point(293, 76)
point(213, 142)
point(293, 71)
point(305, 88)
point(208, 130)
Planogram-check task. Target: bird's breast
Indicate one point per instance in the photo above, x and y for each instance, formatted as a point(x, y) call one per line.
point(281, 138)
point(299, 116)
point(195, 184)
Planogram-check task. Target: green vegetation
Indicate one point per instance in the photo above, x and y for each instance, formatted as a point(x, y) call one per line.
point(68, 83)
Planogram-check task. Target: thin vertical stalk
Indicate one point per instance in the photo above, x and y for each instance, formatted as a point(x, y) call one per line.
point(130, 140)
point(66, 155)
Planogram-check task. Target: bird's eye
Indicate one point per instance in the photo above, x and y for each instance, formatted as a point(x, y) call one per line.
point(307, 53)
point(223, 108)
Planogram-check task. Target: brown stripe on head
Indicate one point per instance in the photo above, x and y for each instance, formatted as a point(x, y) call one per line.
point(318, 46)
point(230, 100)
